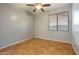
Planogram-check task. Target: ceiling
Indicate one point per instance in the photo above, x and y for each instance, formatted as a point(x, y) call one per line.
point(47, 9)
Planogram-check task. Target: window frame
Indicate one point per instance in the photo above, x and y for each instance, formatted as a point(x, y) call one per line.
point(57, 22)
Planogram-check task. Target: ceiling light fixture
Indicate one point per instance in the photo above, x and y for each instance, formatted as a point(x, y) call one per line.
point(38, 6)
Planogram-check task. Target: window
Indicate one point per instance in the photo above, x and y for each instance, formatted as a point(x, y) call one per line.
point(53, 22)
point(59, 21)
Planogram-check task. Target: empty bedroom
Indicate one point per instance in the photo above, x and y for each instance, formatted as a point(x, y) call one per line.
point(39, 28)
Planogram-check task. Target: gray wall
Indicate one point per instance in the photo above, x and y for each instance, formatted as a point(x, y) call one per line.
point(15, 25)
point(41, 26)
point(75, 25)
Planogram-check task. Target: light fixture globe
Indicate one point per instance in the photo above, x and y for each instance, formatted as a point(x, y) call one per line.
point(38, 7)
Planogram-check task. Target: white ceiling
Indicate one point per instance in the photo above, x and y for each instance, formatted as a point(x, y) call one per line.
point(30, 8)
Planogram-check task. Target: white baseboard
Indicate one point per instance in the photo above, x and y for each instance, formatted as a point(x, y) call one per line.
point(41, 38)
point(75, 49)
point(15, 43)
point(54, 40)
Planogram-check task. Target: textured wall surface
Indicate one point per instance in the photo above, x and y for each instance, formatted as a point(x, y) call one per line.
point(15, 24)
point(41, 26)
point(75, 25)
